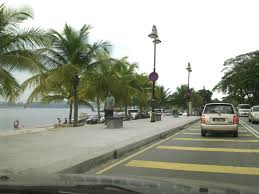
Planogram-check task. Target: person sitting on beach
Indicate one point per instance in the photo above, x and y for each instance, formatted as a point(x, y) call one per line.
point(16, 124)
point(65, 122)
point(59, 121)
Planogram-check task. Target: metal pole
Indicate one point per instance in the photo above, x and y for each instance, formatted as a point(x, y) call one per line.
point(153, 88)
point(188, 94)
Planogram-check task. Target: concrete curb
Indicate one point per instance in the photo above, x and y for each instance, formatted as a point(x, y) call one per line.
point(87, 165)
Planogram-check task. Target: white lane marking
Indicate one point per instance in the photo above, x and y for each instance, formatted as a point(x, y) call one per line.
point(250, 127)
point(251, 130)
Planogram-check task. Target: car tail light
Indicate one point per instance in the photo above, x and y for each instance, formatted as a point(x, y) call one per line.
point(202, 119)
point(235, 119)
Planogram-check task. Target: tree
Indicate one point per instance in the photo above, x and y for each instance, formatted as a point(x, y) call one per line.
point(143, 93)
point(70, 57)
point(215, 100)
point(179, 98)
point(162, 96)
point(241, 78)
point(16, 46)
point(126, 86)
point(206, 95)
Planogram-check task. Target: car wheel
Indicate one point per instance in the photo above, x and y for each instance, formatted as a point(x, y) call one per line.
point(203, 133)
point(253, 122)
point(249, 120)
point(235, 134)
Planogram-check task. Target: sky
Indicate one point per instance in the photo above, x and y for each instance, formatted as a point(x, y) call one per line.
point(202, 32)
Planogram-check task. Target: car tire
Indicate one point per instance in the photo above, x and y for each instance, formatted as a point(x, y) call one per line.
point(253, 122)
point(235, 134)
point(249, 120)
point(203, 133)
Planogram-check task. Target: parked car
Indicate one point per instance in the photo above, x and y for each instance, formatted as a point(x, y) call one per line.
point(134, 113)
point(219, 117)
point(94, 118)
point(254, 114)
point(243, 110)
point(184, 114)
point(122, 114)
point(143, 115)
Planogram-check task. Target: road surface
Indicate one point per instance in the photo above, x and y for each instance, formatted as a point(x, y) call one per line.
point(219, 158)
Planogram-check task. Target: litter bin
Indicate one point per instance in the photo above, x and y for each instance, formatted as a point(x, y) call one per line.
point(114, 122)
point(158, 116)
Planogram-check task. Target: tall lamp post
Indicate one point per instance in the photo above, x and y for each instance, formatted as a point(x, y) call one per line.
point(154, 76)
point(189, 69)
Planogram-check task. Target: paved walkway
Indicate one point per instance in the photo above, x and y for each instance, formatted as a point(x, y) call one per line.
point(57, 149)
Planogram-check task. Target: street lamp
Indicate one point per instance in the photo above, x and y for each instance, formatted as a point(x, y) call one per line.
point(154, 76)
point(189, 69)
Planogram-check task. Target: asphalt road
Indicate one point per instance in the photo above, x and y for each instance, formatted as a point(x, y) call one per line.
point(217, 158)
point(253, 128)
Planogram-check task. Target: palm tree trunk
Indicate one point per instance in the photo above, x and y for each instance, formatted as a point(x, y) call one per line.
point(126, 110)
point(70, 111)
point(75, 85)
point(98, 109)
point(75, 110)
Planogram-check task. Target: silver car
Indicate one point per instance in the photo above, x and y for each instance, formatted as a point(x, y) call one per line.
point(254, 114)
point(219, 117)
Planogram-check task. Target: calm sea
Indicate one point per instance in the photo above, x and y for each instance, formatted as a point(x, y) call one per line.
point(35, 117)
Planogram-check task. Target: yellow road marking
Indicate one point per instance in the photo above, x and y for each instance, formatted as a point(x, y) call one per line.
point(241, 135)
point(194, 167)
point(208, 149)
point(210, 139)
point(139, 152)
point(196, 129)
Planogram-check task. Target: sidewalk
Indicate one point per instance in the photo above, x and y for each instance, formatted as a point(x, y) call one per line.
point(76, 149)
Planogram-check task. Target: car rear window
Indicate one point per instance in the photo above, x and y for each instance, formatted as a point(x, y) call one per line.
point(245, 106)
point(219, 108)
point(256, 109)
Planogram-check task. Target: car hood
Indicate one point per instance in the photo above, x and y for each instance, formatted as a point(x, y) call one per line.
point(139, 184)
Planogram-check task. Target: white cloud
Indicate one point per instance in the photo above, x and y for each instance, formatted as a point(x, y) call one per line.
point(202, 32)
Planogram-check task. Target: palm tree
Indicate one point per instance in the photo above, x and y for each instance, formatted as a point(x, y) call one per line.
point(125, 85)
point(16, 46)
point(70, 57)
point(143, 94)
point(162, 96)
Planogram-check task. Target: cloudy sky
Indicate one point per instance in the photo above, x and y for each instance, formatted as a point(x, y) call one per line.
point(202, 32)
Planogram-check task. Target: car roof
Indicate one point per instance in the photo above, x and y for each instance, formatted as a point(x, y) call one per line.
point(220, 103)
point(255, 106)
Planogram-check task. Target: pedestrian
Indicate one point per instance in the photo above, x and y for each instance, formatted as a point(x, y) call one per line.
point(59, 121)
point(109, 105)
point(65, 122)
point(16, 124)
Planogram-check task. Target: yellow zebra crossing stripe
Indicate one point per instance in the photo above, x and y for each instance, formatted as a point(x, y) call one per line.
point(217, 140)
point(194, 167)
point(241, 135)
point(208, 149)
point(199, 129)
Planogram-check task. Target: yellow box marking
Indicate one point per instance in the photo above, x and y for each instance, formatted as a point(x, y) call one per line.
point(241, 135)
point(194, 167)
point(216, 140)
point(208, 149)
point(137, 153)
point(196, 129)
